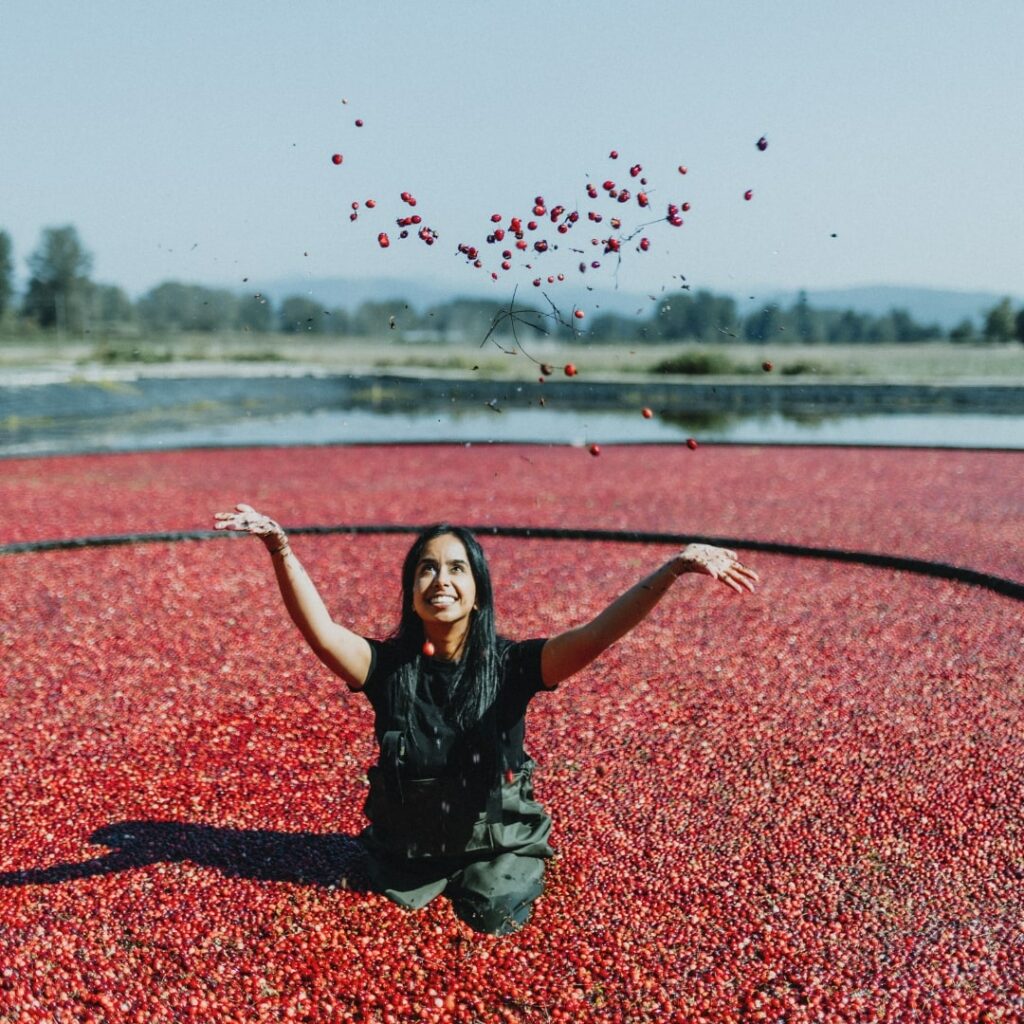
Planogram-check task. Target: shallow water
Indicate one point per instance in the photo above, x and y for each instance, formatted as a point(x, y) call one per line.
point(486, 425)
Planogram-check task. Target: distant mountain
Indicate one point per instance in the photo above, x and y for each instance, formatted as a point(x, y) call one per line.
point(925, 305)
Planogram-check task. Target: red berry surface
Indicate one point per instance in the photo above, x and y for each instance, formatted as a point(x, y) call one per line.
point(801, 805)
point(337, 159)
point(428, 649)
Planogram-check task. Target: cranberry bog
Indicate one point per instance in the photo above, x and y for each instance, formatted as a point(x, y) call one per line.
point(798, 805)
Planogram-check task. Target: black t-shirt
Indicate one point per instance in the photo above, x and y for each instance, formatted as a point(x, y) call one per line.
point(433, 746)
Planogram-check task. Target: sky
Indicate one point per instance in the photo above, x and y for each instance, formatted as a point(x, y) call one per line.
point(193, 141)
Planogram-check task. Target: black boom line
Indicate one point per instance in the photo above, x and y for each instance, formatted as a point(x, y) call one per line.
point(923, 567)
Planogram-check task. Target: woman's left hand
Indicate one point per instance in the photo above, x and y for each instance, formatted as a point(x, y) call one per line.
point(719, 563)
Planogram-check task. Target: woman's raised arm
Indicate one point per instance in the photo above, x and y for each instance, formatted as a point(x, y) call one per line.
point(565, 654)
point(345, 653)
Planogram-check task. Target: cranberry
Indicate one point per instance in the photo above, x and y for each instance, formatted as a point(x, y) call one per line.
point(337, 159)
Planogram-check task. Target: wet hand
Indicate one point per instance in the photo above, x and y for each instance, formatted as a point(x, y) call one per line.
point(245, 519)
point(719, 563)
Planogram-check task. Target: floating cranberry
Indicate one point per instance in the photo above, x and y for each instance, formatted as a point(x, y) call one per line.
point(359, 122)
point(337, 159)
point(371, 203)
point(495, 218)
point(382, 240)
point(635, 170)
point(749, 194)
point(579, 314)
point(767, 365)
point(691, 443)
point(682, 169)
point(595, 449)
point(614, 154)
point(646, 413)
point(645, 244)
point(570, 370)
point(428, 649)
point(762, 144)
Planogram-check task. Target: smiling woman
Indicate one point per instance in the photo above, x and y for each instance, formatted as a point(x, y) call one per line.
point(451, 803)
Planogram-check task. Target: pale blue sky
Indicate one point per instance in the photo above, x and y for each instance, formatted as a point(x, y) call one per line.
point(192, 140)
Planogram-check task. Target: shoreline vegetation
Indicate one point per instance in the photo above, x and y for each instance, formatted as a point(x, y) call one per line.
point(245, 354)
point(925, 361)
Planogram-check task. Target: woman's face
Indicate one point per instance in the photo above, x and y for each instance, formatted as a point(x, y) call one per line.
point(443, 588)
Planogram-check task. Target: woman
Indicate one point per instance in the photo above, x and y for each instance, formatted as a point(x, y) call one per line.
point(451, 805)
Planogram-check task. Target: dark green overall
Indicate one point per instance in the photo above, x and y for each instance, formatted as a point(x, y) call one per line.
point(485, 848)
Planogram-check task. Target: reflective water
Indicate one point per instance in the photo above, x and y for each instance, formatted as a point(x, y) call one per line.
point(532, 425)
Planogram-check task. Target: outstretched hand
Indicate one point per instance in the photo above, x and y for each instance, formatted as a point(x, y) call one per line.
point(247, 520)
point(719, 563)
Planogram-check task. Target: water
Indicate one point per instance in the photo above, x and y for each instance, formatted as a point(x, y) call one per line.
point(531, 425)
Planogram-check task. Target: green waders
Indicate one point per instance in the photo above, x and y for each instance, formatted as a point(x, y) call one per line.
point(425, 838)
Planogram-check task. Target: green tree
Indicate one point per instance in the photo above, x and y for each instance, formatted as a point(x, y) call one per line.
point(173, 306)
point(807, 322)
point(999, 322)
point(963, 332)
point(6, 272)
point(764, 324)
point(58, 293)
point(111, 306)
point(300, 314)
point(256, 313)
point(1019, 324)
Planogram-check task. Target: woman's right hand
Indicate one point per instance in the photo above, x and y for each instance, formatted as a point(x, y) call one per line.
point(245, 519)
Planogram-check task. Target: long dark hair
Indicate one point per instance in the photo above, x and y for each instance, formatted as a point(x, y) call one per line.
point(476, 678)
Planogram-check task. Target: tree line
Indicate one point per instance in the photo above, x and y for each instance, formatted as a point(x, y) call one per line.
point(61, 297)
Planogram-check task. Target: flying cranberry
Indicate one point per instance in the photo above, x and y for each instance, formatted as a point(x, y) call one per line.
point(531, 225)
point(382, 240)
point(539, 211)
point(762, 143)
point(570, 370)
point(608, 185)
point(495, 218)
point(767, 366)
point(592, 191)
point(646, 413)
point(645, 244)
point(538, 201)
point(522, 246)
point(353, 216)
point(551, 279)
point(428, 649)
point(540, 245)
point(579, 314)
point(749, 194)
point(641, 198)
point(624, 195)
point(371, 203)
point(686, 207)
point(614, 154)
point(547, 369)
point(337, 159)
point(635, 170)
point(561, 277)
point(536, 282)
point(675, 220)
point(595, 264)
point(359, 122)
point(615, 223)
point(682, 169)
point(691, 443)
point(595, 449)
